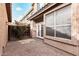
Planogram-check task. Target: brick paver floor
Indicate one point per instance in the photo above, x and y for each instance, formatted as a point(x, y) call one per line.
point(31, 47)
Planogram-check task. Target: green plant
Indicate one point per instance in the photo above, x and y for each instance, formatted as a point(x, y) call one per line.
point(20, 31)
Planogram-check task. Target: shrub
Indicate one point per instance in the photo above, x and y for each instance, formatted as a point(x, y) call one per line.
point(20, 31)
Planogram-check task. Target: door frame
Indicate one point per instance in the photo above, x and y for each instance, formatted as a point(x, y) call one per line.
point(39, 24)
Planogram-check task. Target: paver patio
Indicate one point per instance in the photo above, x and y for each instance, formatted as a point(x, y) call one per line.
point(31, 47)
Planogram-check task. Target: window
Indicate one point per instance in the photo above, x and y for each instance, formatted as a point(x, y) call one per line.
point(58, 23)
point(42, 30)
point(40, 5)
point(63, 16)
point(50, 31)
point(50, 24)
point(63, 31)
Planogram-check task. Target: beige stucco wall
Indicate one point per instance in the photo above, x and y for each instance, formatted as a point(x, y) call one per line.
point(33, 28)
point(3, 27)
point(76, 23)
point(76, 20)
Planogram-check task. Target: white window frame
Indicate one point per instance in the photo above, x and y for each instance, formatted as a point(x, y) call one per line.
point(40, 23)
point(72, 41)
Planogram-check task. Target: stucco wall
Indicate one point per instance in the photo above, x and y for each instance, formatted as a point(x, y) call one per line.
point(76, 22)
point(33, 29)
point(3, 27)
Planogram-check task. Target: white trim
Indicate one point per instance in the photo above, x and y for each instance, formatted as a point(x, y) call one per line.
point(63, 25)
point(59, 7)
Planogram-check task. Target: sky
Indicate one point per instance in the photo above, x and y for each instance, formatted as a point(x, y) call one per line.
point(19, 10)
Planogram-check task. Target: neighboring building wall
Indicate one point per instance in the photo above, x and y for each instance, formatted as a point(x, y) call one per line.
point(40, 5)
point(37, 6)
point(34, 6)
point(3, 27)
point(25, 21)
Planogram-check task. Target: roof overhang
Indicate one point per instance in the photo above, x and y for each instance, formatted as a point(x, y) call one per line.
point(41, 11)
point(8, 9)
point(39, 14)
point(19, 24)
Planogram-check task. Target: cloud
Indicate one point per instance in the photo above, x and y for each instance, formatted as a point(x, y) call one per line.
point(19, 18)
point(18, 8)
